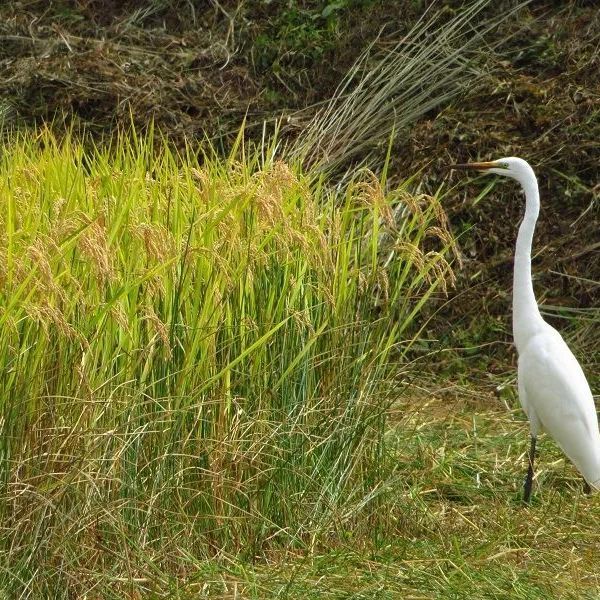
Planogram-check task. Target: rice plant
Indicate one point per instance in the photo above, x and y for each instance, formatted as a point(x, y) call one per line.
point(198, 355)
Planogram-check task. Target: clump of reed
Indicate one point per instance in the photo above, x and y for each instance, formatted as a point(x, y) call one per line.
point(198, 355)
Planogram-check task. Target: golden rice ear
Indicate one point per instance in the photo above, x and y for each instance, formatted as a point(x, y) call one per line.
point(93, 244)
point(160, 328)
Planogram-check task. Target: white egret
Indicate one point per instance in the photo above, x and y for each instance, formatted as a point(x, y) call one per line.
point(553, 390)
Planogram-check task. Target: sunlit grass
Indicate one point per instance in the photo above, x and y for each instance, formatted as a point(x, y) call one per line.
point(198, 357)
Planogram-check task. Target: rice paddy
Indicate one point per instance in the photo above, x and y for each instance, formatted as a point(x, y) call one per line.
point(199, 353)
point(211, 387)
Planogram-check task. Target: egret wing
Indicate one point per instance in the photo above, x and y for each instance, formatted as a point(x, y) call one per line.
point(557, 391)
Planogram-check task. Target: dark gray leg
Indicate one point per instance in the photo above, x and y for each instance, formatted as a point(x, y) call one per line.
point(587, 488)
point(529, 478)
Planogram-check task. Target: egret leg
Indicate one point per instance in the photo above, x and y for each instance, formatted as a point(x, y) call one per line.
point(529, 478)
point(587, 488)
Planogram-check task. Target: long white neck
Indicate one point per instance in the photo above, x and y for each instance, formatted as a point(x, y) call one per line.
point(526, 315)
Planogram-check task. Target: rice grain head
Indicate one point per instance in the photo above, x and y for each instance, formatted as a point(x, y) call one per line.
point(93, 244)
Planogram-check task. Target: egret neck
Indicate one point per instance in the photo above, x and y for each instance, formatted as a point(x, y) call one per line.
point(526, 316)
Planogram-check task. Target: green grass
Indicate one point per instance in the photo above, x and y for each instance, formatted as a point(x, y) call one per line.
point(456, 528)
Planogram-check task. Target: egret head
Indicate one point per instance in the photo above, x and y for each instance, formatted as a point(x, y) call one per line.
point(513, 167)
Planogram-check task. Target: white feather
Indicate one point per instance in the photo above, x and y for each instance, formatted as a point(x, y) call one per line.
point(553, 390)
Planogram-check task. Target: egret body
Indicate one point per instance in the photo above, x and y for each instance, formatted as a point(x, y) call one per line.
point(553, 390)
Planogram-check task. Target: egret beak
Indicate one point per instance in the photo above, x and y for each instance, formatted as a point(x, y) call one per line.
point(478, 166)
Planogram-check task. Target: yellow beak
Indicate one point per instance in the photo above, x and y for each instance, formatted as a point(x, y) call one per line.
point(478, 166)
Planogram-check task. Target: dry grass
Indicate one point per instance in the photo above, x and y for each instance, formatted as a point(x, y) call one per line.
point(536, 101)
point(432, 64)
point(454, 526)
